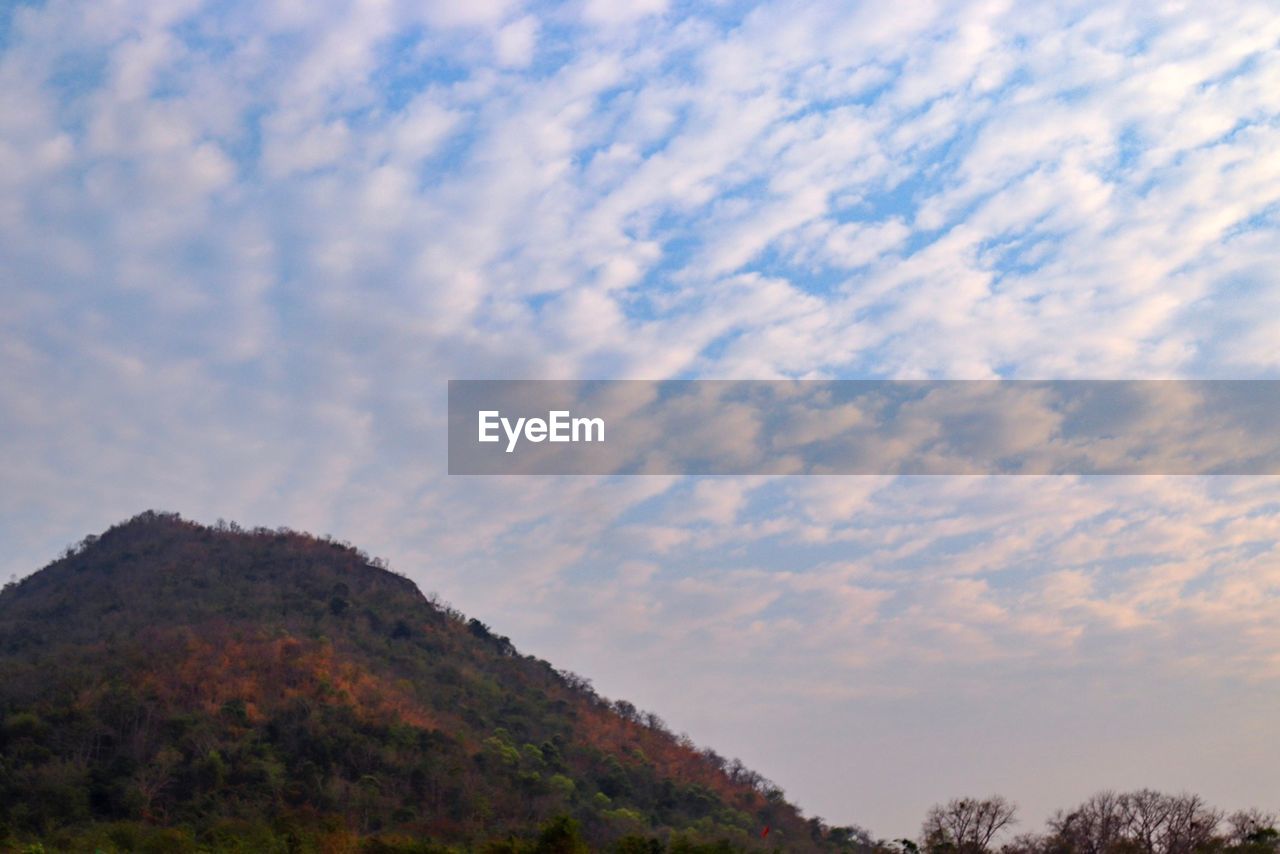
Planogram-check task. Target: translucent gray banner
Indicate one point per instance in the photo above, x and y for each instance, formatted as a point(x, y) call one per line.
point(889, 427)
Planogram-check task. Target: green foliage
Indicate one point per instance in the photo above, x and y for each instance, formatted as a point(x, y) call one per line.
point(638, 845)
point(562, 835)
point(562, 785)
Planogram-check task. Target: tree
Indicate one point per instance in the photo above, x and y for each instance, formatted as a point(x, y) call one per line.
point(561, 836)
point(1190, 824)
point(1253, 831)
point(966, 825)
point(1094, 827)
point(1144, 821)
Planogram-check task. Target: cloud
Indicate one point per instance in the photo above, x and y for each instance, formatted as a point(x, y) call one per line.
point(614, 14)
point(515, 43)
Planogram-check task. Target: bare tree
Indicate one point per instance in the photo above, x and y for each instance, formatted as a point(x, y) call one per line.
point(1146, 816)
point(1145, 821)
point(967, 824)
point(1190, 825)
point(1094, 827)
point(1027, 843)
point(1251, 827)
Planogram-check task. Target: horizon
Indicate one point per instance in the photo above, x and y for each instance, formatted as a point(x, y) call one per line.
point(246, 244)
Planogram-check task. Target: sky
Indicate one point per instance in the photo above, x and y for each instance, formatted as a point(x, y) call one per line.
point(243, 245)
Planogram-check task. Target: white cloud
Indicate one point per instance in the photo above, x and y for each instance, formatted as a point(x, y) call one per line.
point(612, 13)
point(515, 43)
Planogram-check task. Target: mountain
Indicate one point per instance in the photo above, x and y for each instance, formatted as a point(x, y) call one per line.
point(170, 686)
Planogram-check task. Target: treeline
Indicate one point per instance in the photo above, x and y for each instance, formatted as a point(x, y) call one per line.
point(1138, 822)
point(299, 835)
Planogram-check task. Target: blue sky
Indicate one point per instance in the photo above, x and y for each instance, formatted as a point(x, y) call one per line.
point(243, 245)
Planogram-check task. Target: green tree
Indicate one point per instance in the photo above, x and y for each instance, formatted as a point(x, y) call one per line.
point(561, 835)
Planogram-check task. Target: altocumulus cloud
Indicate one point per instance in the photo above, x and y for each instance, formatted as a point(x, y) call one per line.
point(243, 244)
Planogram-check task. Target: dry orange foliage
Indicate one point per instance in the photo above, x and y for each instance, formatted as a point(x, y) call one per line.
point(206, 669)
point(609, 732)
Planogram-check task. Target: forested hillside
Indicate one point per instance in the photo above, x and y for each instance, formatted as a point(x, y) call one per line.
point(181, 687)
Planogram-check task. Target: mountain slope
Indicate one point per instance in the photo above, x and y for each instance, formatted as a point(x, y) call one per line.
point(267, 690)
